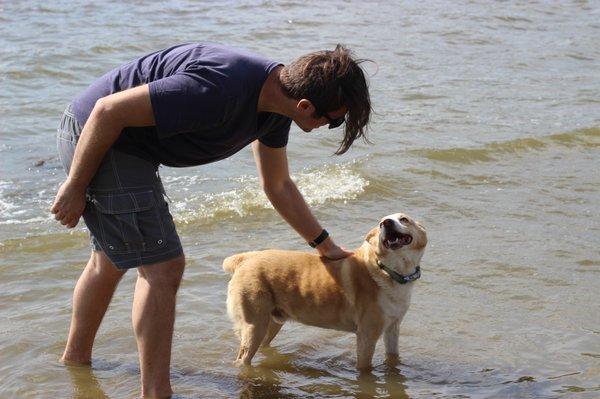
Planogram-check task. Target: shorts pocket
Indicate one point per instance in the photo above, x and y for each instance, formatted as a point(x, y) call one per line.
point(128, 222)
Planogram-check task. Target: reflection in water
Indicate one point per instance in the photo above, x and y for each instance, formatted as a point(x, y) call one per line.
point(264, 381)
point(85, 384)
point(258, 388)
point(389, 383)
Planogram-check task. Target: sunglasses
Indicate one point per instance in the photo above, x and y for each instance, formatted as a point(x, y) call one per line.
point(333, 122)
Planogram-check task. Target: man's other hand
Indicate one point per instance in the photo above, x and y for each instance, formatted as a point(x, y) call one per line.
point(69, 204)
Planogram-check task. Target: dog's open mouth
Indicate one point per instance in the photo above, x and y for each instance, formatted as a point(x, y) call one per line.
point(396, 239)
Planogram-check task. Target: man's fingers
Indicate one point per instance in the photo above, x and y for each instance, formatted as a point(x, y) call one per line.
point(69, 219)
point(55, 207)
point(70, 222)
point(73, 223)
point(66, 219)
point(63, 218)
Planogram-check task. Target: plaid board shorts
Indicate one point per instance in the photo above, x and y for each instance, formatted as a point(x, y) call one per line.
point(126, 213)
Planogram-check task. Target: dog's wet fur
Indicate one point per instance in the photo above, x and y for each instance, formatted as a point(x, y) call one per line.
point(352, 294)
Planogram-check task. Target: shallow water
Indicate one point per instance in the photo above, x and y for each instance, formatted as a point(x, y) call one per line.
point(487, 130)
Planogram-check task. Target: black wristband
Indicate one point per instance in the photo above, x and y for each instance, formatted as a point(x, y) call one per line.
point(322, 237)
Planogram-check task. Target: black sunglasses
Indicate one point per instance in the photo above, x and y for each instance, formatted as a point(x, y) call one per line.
point(333, 123)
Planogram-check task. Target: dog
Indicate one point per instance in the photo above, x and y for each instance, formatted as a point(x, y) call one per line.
point(367, 293)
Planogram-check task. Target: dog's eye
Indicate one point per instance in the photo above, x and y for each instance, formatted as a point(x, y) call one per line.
point(405, 220)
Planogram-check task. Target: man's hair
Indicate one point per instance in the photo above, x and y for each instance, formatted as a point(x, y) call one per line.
point(331, 80)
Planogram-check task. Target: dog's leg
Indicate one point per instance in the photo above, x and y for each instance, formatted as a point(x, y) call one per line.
point(252, 336)
point(365, 347)
point(271, 332)
point(255, 317)
point(390, 338)
point(241, 351)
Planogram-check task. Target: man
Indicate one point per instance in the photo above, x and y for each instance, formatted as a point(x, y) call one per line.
point(186, 105)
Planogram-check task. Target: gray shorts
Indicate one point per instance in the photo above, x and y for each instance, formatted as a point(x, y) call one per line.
point(126, 213)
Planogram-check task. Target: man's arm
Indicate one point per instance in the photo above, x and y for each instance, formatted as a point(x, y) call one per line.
point(108, 118)
point(275, 180)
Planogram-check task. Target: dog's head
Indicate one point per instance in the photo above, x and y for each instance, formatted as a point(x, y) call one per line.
point(399, 242)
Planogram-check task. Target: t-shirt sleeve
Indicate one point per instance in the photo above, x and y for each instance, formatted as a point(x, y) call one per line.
point(277, 136)
point(186, 102)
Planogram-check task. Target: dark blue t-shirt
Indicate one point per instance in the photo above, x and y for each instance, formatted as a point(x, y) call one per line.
point(204, 98)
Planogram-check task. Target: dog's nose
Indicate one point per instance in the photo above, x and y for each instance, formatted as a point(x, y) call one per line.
point(386, 223)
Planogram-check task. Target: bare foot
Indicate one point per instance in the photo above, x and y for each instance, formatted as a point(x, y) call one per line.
point(71, 360)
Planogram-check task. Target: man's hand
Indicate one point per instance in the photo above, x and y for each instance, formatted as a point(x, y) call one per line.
point(328, 249)
point(69, 204)
point(131, 107)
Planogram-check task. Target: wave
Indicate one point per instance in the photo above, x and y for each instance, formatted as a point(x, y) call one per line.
point(318, 186)
point(50, 242)
point(584, 139)
point(38, 219)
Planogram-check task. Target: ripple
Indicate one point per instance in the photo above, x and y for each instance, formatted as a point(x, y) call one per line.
point(585, 138)
point(421, 96)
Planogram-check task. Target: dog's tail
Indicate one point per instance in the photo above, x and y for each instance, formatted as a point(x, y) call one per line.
point(231, 263)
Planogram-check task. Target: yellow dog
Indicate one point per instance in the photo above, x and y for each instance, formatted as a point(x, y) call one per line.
point(367, 293)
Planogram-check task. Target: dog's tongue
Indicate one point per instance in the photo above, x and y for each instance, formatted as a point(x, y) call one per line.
point(398, 241)
point(405, 239)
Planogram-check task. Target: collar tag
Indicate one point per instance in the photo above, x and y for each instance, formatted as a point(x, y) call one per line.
point(399, 278)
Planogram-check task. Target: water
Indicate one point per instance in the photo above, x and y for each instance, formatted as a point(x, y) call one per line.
point(487, 130)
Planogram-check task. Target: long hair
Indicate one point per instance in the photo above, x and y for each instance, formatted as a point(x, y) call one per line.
point(331, 80)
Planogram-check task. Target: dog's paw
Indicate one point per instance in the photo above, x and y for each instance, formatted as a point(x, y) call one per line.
point(392, 359)
point(241, 363)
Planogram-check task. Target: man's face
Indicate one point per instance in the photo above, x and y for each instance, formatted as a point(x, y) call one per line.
point(307, 118)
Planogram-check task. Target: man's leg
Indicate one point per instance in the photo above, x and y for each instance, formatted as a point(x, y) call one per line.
point(153, 316)
point(91, 298)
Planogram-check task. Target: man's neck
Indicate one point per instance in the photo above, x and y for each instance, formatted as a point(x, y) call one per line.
point(272, 98)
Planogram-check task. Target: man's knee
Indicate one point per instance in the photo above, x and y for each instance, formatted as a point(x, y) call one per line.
point(164, 274)
point(100, 264)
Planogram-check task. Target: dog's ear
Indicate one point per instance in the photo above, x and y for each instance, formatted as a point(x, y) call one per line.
point(372, 236)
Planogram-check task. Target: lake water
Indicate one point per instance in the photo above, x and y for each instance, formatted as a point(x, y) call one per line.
point(487, 131)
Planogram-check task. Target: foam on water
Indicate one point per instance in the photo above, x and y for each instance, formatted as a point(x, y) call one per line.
point(20, 205)
point(328, 183)
point(335, 182)
point(25, 221)
point(6, 207)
